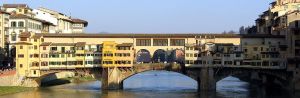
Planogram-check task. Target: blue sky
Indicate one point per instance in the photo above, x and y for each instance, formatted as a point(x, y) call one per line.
point(157, 16)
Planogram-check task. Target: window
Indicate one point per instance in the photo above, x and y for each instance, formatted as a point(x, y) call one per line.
point(13, 24)
point(237, 55)
point(245, 50)
point(13, 37)
point(53, 48)
point(36, 55)
point(21, 47)
point(21, 56)
point(35, 47)
point(254, 48)
point(21, 24)
point(44, 55)
point(143, 42)
point(160, 42)
point(177, 42)
point(23, 39)
point(44, 48)
point(35, 40)
point(21, 65)
point(63, 49)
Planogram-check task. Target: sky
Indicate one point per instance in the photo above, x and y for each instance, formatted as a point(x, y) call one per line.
point(157, 16)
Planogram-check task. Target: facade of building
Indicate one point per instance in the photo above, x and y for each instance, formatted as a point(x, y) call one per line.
point(4, 26)
point(62, 22)
point(43, 52)
point(283, 18)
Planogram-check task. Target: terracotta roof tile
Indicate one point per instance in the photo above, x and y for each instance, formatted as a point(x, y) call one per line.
point(25, 34)
point(75, 20)
point(80, 44)
point(46, 44)
point(125, 45)
point(15, 6)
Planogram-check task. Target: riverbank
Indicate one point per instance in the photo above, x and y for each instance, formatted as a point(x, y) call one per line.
point(13, 89)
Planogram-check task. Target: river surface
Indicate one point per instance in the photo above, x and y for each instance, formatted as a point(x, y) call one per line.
point(155, 84)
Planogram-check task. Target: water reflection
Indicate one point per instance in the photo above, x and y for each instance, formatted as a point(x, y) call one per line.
point(156, 84)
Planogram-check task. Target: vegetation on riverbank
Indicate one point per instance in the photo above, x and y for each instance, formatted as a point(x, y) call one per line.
point(13, 89)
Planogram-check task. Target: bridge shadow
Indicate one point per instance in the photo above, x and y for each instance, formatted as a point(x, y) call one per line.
point(53, 79)
point(55, 82)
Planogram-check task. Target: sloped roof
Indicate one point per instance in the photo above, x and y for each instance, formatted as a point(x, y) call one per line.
point(125, 45)
point(15, 5)
point(75, 20)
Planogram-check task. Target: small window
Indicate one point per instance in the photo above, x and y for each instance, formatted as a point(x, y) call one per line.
point(21, 65)
point(21, 47)
point(35, 47)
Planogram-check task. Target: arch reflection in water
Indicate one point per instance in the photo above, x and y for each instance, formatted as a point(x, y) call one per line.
point(160, 80)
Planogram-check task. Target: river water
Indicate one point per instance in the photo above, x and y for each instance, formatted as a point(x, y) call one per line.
point(155, 84)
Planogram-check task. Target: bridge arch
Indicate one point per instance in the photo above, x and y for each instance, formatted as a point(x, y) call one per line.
point(177, 76)
point(265, 76)
point(160, 55)
point(131, 75)
point(49, 76)
point(143, 56)
point(177, 56)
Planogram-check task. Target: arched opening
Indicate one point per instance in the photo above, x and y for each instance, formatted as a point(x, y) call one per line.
point(56, 78)
point(160, 80)
point(143, 56)
point(159, 56)
point(250, 81)
point(177, 56)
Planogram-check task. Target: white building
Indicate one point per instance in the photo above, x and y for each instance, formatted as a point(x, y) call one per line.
point(21, 23)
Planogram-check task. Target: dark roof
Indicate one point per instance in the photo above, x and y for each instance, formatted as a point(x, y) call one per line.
point(25, 34)
point(63, 44)
point(80, 21)
point(45, 44)
point(23, 43)
point(15, 6)
point(36, 36)
point(224, 44)
point(125, 45)
point(21, 16)
point(80, 44)
point(66, 19)
point(261, 36)
point(3, 12)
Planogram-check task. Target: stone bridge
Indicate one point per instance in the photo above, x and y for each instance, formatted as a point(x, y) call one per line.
point(206, 76)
